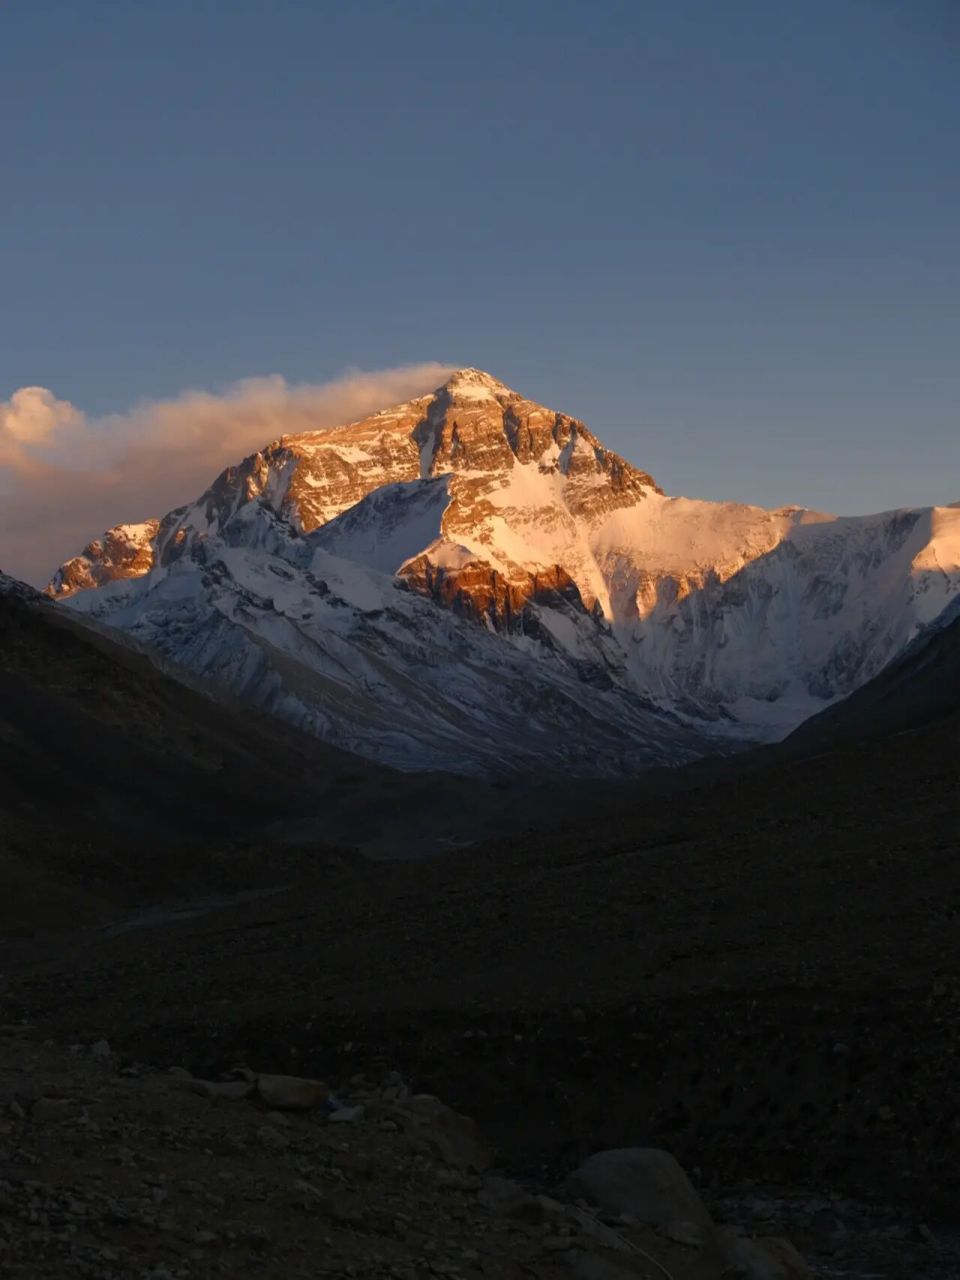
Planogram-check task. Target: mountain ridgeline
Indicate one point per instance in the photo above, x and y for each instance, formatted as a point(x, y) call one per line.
point(473, 583)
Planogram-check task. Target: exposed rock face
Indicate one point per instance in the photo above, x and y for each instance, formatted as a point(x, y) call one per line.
point(478, 591)
point(514, 516)
point(125, 551)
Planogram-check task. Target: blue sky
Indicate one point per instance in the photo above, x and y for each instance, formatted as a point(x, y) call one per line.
point(727, 235)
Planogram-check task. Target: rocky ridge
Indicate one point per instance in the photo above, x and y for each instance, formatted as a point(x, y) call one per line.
point(125, 551)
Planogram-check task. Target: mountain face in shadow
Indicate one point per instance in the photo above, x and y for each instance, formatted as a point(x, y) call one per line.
point(920, 688)
point(120, 781)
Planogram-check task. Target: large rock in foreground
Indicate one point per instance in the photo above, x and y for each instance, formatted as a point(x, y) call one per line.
point(643, 1182)
point(443, 1133)
point(770, 1258)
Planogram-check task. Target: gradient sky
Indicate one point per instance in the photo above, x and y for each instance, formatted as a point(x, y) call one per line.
point(727, 235)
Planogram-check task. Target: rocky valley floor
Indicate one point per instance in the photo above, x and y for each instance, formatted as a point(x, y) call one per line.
point(757, 971)
point(114, 1170)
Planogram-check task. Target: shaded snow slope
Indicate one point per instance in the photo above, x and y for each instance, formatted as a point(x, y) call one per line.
point(350, 655)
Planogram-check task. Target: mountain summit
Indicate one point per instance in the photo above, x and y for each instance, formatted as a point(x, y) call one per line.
point(503, 453)
point(659, 624)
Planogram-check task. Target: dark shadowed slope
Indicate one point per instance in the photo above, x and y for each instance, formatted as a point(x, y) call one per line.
point(921, 687)
point(114, 775)
point(93, 731)
point(112, 772)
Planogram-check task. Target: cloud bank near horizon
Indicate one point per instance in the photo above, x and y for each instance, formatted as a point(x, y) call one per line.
point(65, 477)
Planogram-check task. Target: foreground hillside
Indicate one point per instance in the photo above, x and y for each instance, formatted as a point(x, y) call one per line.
point(757, 971)
point(121, 784)
point(119, 1169)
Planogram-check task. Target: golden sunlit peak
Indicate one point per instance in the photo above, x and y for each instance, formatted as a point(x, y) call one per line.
point(469, 380)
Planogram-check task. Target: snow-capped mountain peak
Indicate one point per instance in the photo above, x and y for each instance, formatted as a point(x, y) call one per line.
point(500, 511)
point(475, 384)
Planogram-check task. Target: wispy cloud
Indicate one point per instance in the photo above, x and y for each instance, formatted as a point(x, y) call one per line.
point(65, 477)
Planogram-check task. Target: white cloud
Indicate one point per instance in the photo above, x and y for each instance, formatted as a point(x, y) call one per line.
point(64, 477)
point(33, 414)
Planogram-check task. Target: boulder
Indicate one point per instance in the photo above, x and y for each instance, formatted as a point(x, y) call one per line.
point(230, 1089)
point(50, 1110)
point(502, 1196)
point(291, 1093)
point(596, 1231)
point(347, 1115)
point(509, 1200)
point(444, 1133)
point(272, 1138)
point(455, 1180)
point(769, 1258)
point(601, 1266)
point(683, 1232)
point(643, 1182)
point(556, 1244)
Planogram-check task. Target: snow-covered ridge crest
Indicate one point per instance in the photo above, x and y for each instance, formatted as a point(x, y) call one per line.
point(491, 509)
